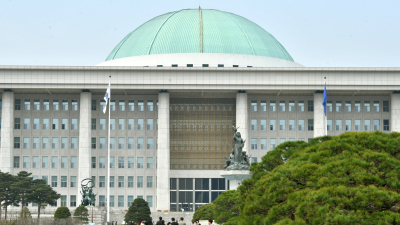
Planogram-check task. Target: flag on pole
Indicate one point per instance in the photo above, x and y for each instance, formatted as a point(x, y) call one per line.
point(325, 99)
point(107, 96)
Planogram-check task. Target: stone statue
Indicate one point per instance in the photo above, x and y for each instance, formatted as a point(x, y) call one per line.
point(88, 197)
point(238, 159)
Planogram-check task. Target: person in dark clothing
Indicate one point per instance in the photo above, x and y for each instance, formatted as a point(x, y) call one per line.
point(160, 221)
point(174, 222)
point(210, 221)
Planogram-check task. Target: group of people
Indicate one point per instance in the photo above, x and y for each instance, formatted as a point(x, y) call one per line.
point(181, 222)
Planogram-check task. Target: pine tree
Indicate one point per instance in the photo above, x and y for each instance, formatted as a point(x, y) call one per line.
point(8, 196)
point(62, 213)
point(139, 211)
point(25, 213)
point(23, 186)
point(43, 194)
point(205, 212)
point(81, 213)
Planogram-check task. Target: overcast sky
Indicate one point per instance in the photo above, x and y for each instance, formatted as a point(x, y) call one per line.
point(329, 33)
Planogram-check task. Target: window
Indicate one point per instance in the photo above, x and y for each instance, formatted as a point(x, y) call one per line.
point(348, 125)
point(102, 162)
point(367, 125)
point(376, 124)
point(385, 128)
point(300, 106)
point(357, 125)
point(121, 124)
point(35, 143)
point(64, 162)
point(376, 106)
point(272, 142)
point(121, 105)
point(27, 104)
point(64, 124)
point(17, 142)
point(120, 181)
point(130, 162)
point(272, 106)
point(140, 143)
point(74, 124)
point(386, 106)
point(205, 65)
point(26, 142)
point(36, 123)
point(54, 162)
point(140, 162)
point(348, 106)
point(329, 106)
point(93, 143)
point(254, 105)
point(329, 125)
point(73, 181)
point(65, 105)
point(149, 124)
point(17, 104)
point(74, 143)
point(282, 124)
point(149, 105)
point(64, 143)
point(131, 124)
point(301, 125)
point(282, 106)
point(130, 182)
point(357, 106)
point(311, 124)
point(149, 143)
point(282, 140)
point(46, 178)
point(102, 104)
point(263, 144)
point(17, 123)
point(112, 143)
point(73, 162)
point(46, 123)
point(291, 106)
point(63, 200)
point(292, 125)
point(131, 143)
point(94, 105)
point(338, 106)
point(367, 106)
point(93, 162)
point(140, 105)
point(263, 107)
point(102, 182)
point(120, 201)
point(254, 143)
point(35, 162)
point(53, 181)
point(292, 139)
point(339, 125)
point(112, 105)
point(16, 161)
point(131, 105)
point(140, 124)
point(55, 105)
point(149, 162)
point(102, 201)
point(139, 181)
point(55, 124)
point(73, 200)
point(102, 124)
point(310, 106)
point(263, 124)
point(253, 124)
point(112, 124)
point(36, 104)
point(112, 162)
point(74, 105)
point(112, 181)
point(272, 124)
point(26, 162)
point(149, 182)
point(45, 143)
point(64, 181)
point(121, 162)
point(121, 143)
point(27, 123)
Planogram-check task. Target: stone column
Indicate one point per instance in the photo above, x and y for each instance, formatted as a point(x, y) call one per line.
point(394, 112)
point(163, 152)
point(242, 118)
point(7, 132)
point(85, 137)
point(319, 116)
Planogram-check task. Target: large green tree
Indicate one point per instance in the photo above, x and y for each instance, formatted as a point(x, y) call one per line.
point(23, 187)
point(204, 212)
point(139, 211)
point(81, 213)
point(43, 194)
point(7, 196)
point(353, 178)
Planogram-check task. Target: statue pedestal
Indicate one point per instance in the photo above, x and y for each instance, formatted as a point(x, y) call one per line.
point(235, 177)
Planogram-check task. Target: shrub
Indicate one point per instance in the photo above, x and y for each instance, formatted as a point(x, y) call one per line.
point(139, 211)
point(81, 213)
point(25, 213)
point(62, 212)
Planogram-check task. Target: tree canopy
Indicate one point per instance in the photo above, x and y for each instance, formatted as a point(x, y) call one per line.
point(352, 178)
point(139, 211)
point(62, 212)
point(43, 194)
point(81, 213)
point(204, 212)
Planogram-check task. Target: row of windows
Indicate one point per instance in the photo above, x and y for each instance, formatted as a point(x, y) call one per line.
point(73, 162)
point(272, 145)
point(357, 106)
point(121, 105)
point(282, 124)
point(357, 125)
point(44, 104)
point(122, 124)
point(273, 104)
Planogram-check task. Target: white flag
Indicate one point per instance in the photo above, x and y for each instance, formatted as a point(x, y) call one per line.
point(107, 96)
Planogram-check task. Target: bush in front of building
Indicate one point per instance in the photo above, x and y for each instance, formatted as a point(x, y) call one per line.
point(139, 211)
point(62, 212)
point(81, 213)
point(25, 213)
point(204, 212)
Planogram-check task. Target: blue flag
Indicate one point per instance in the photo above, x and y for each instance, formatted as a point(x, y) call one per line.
point(324, 100)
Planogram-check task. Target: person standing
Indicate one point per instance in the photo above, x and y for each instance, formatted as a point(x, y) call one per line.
point(210, 221)
point(160, 221)
point(181, 222)
point(174, 222)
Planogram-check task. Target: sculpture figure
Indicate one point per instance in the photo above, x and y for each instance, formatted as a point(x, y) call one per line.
point(88, 197)
point(238, 160)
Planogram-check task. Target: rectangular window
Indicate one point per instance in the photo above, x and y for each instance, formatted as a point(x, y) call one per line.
point(311, 106)
point(45, 143)
point(17, 142)
point(282, 140)
point(26, 162)
point(94, 105)
point(46, 178)
point(64, 181)
point(35, 143)
point(150, 105)
point(121, 105)
point(130, 182)
point(102, 162)
point(112, 162)
point(339, 125)
point(120, 201)
point(74, 143)
point(338, 106)
point(140, 105)
point(376, 125)
point(74, 105)
point(102, 201)
point(93, 143)
point(140, 143)
point(102, 124)
point(74, 162)
point(149, 162)
point(74, 124)
point(17, 123)
point(254, 105)
point(272, 106)
point(112, 143)
point(301, 125)
point(310, 124)
point(272, 142)
point(64, 143)
point(357, 106)
point(291, 106)
point(112, 124)
point(121, 143)
point(300, 106)
point(63, 200)
point(139, 181)
point(112, 181)
point(131, 163)
point(376, 106)
point(140, 162)
point(348, 106)
point(385, 126)
point(282, 106)
point(329, 106)
point(292, 125)
point(367, 125)
point(131, 124)
point(102, 104)
point(121, 124)
point(348, 125)
point(282, 124)
point(357, 125)
point(149, 182)
point(254, 143)
point(149, 124)
point(64, 124)
point(253, 124)
point(36, 104)
point(263, 107)
point(263, 125)
point(131, 143)
point(386, 106)
point(73, 201)
point(65, 105)
point(121, 182)
point(102, 143)
point(55, 105)
point(121, 162)
point(27, 123)
point(26, 143)
point(53, 181)
point(35, 162)
point(263, 144)
point(272, 124)
point(329, 124)
point(102, 181)
point(367, 106)
point(54, 162)
point(17, 104)
point(55, 124)
point(27, 104)
point(140, 124)
point(16, 161)
point(112, 105)
point(93, 162)
point(131, 105)
point(36, 123)
point(46, 124)
point(64, 162)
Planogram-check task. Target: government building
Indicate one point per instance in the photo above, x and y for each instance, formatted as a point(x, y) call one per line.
point(179, 82)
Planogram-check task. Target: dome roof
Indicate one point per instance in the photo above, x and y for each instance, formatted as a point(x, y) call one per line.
point(199, 31)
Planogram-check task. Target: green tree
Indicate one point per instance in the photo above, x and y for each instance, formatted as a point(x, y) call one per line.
point(205, 212)
point(7, 194)
point(23, 186)
point(43, 194)
point(62, 213)
point(25, 213)
point(138, 211)
point(81, 213)
point(226, 207)
point(353, 178)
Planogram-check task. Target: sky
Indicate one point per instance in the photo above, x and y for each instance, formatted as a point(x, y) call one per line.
point(329, 33)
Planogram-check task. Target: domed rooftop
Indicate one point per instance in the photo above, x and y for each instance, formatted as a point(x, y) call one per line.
point(199, 31)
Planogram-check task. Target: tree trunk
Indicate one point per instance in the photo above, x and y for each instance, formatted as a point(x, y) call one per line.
point(0, 210)
point(5, 213)
point(39, 206)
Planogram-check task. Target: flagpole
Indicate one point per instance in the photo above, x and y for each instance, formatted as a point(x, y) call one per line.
point(326, 116)
point(108, 155)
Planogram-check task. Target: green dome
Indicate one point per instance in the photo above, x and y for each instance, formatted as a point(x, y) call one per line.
point(199, 31)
